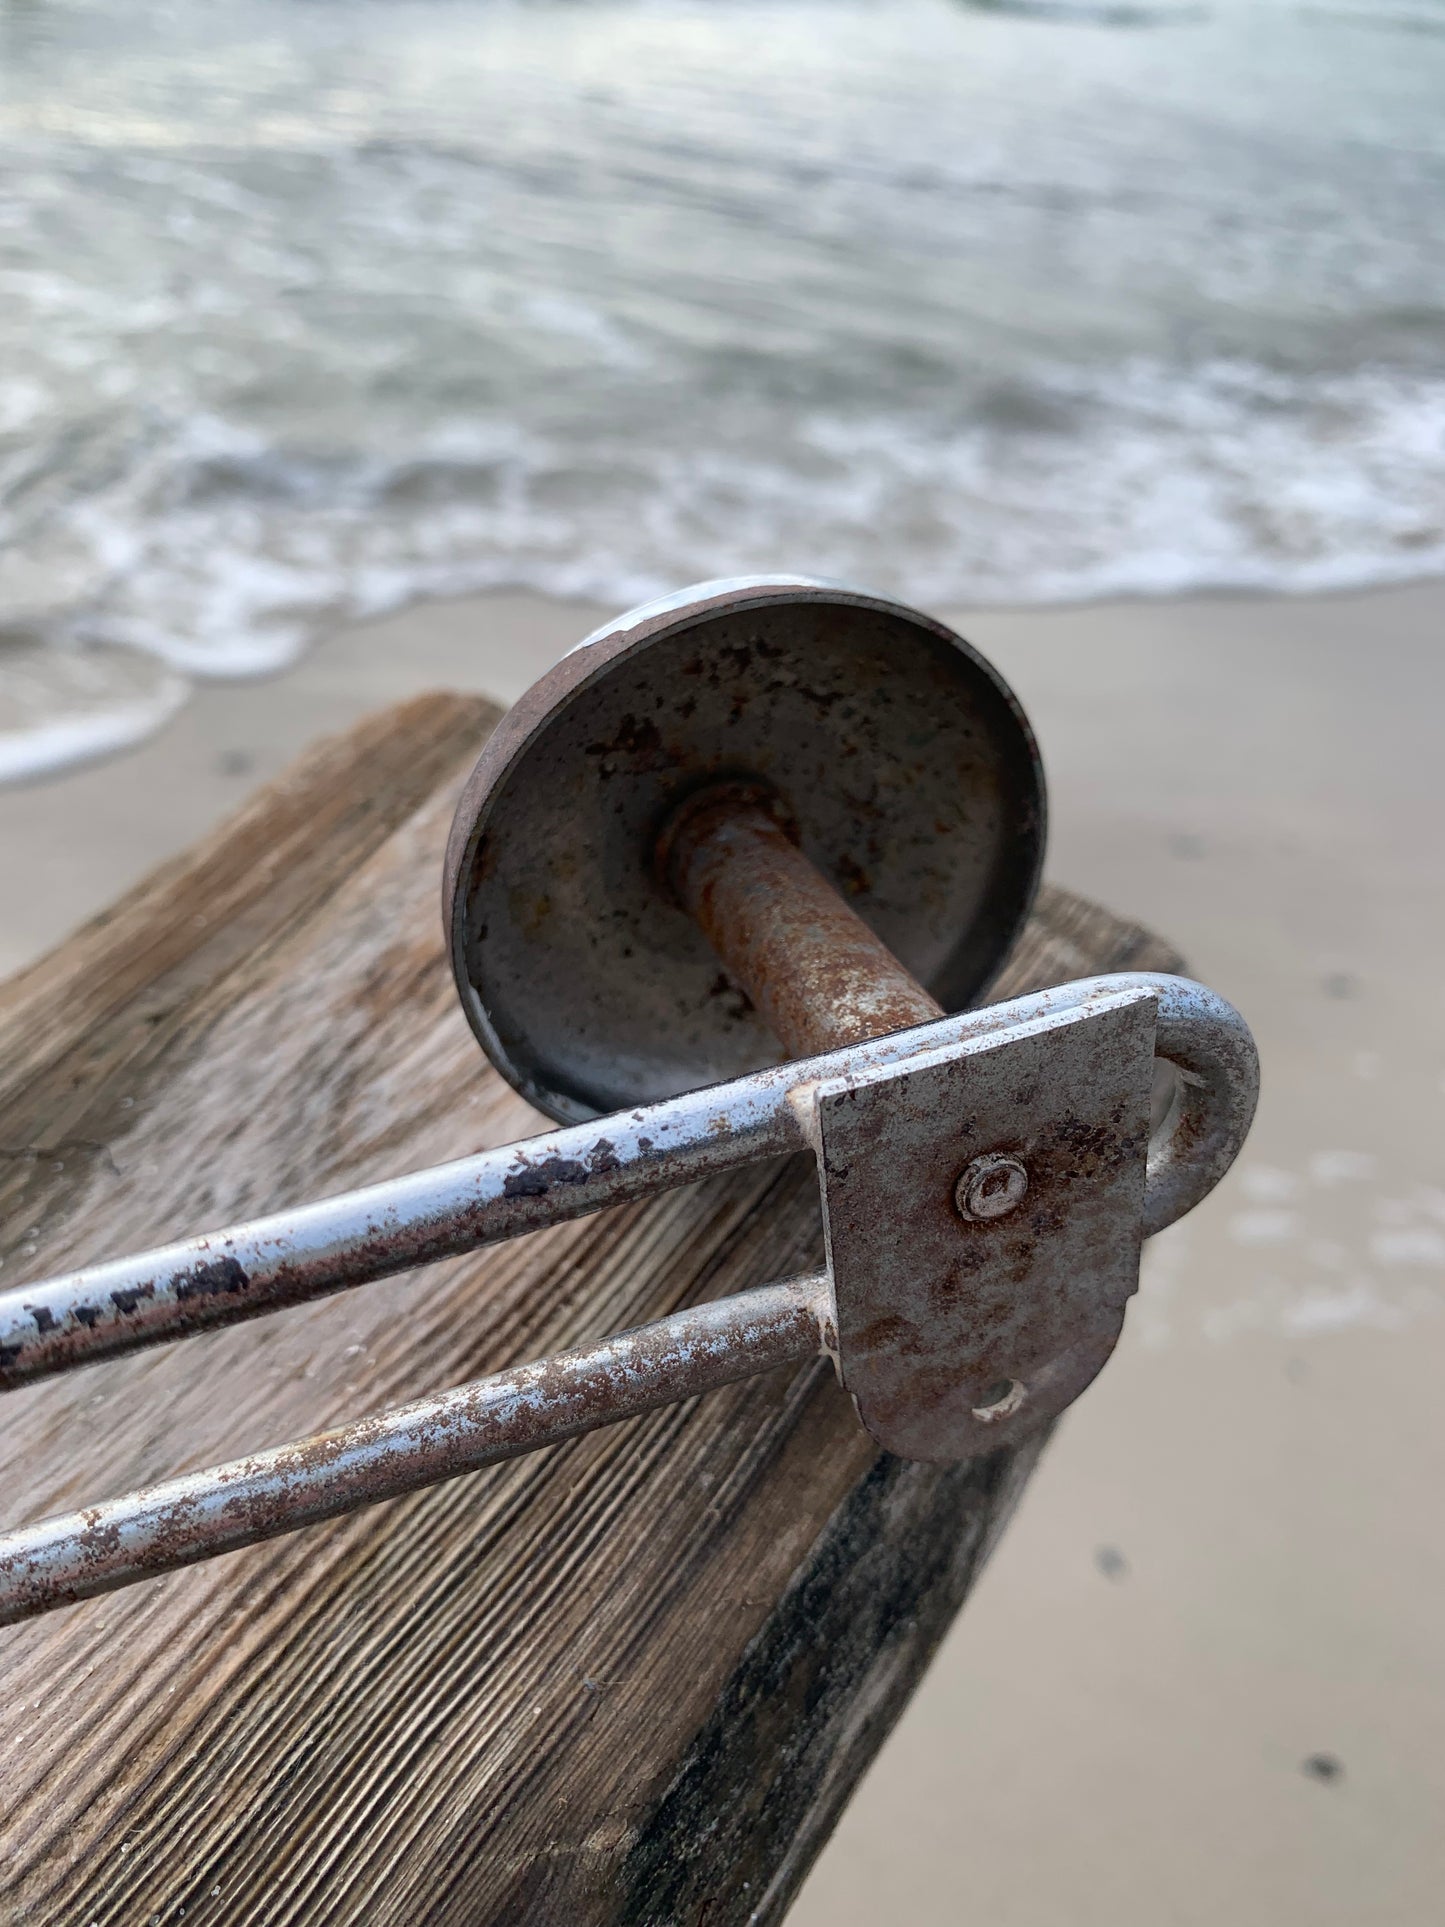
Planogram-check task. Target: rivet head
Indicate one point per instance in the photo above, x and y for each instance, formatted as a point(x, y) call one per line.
point(991, 1187)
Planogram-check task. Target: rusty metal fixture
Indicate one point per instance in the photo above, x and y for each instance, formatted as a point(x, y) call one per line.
point(810, 966)
point(899, 757)
point(935, 1311)
point(202, 1514)
point(313, 1250)
point(986, 1178)
point(1018, 1329)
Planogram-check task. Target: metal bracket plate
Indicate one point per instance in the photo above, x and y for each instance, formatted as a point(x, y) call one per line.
point(983, 1206)
point(956, 1328)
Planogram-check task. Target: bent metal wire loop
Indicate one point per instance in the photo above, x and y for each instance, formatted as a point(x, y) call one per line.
point(331, 1245)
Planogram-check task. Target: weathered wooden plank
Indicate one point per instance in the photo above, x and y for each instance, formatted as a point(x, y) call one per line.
point(633, 1679)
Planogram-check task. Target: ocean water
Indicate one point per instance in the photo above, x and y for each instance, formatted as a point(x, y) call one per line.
point(312, 307)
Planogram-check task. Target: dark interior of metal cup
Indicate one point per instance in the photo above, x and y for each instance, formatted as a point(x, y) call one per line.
point(900, 755)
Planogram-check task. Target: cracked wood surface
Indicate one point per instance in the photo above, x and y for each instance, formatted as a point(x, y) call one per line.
point(631, 1679)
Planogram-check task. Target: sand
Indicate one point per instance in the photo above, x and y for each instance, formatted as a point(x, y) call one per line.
point(1202, 1679)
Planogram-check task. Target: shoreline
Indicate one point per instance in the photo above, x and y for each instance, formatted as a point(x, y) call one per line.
point(1221, 1570)
point(149, 694)
point(73, 837)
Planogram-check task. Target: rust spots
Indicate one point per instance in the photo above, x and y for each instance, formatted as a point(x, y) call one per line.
point(127, 1302)
point(890, 1333)
point(536, 1180)
point(1075, 1150)
point(604, 1157)
point(823, 699)
point(221, 1278)
point(723, 991)
point(530, 910)
point(632, 737)
point(293, 1485)
point(808, 964)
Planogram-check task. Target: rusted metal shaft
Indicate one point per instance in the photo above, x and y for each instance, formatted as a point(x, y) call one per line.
point(811, 966)
point(200, 1514)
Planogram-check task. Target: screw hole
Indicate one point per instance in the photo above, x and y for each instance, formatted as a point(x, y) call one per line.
point(1002, 1399)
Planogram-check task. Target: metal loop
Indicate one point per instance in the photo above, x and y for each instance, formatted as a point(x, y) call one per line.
point(1210, 1047)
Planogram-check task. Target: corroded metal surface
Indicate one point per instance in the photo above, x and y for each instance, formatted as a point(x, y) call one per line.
point(1209, 1049)
point(374, 1232)
point(810, 966)
point(900, 755)
point(813, 1102)
point(204, 1513)
point(243, 1271)
point(957, 1334)
point(840, 802)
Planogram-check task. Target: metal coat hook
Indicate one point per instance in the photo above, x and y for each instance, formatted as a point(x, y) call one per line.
point(718, 780)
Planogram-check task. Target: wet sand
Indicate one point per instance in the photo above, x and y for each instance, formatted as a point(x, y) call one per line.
point(1202, 1679)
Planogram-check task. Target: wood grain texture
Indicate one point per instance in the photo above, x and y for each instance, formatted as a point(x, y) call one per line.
point(631, 1679)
